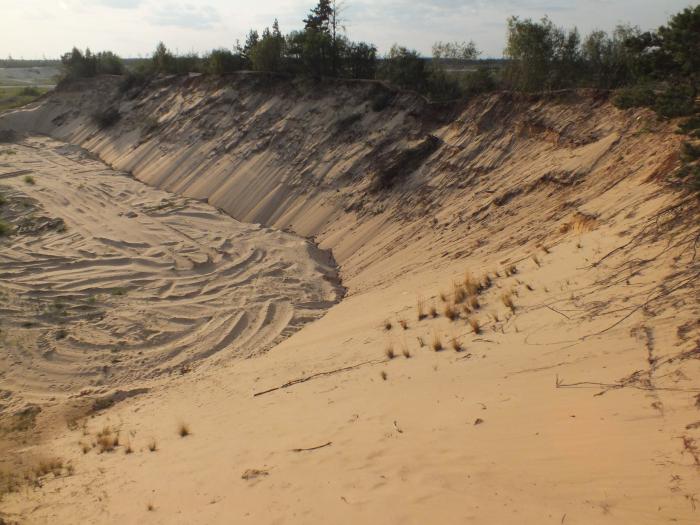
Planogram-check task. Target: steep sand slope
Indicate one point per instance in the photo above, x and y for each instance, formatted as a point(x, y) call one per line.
point(577, 405)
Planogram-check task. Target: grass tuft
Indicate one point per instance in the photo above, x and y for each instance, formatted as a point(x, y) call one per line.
point(456, 345)
point(183, 429)
point(507, 300)
point(474, 323)
point(28, 179)
point(389, 352)
point(437, 342)
point(451, 312)
point(420, 306)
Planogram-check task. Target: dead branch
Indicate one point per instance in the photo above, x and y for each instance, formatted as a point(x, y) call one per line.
point(312, 448)
point(319, 374)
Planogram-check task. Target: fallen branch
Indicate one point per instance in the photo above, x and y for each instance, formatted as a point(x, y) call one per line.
point(312, 448)
point(615, 386)
point(319, 374)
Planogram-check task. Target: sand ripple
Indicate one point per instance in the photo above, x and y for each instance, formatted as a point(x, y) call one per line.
point(140, 282)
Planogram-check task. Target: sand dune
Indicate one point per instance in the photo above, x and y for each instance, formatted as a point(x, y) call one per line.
point(574, 400)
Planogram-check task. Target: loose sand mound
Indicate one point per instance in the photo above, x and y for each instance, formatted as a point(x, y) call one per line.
point(519, 342)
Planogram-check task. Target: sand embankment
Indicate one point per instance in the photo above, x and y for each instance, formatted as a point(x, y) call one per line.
point(577, 403)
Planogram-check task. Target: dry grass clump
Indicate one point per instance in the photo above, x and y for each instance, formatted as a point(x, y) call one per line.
point(406, 352)
point(107, 441)
point(437, 342)
point(49, 466)
point(474, 323)
point(474, 302)
point(451, 312)
point(507, 300)
point(486, 282)
point(580, 223)
point(456, 345)
point(443, 297)
point(389, 351)
point(384, 375)
point(421, 309)
point(459, 294)
point(387, 325)
point(421, 343)
point(466, 310)
point(433, 312)
point(150, 507)
point(128, 449)
point(183, 429)
point(471, 285)
point(403, 324)
point(152, 445)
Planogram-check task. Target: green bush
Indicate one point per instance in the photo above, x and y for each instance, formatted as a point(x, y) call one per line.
point(223, 61)
point(676, 101)
point(405, 68)
point(690, 152)
point(29, 92)
point(381, 98)
point(133, 79)
point(634, 97)
point(106, 118)
point(5, 228)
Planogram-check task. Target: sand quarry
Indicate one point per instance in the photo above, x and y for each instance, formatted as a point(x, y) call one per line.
point(256, 301)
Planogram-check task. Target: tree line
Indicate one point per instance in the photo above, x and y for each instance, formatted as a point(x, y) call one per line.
point(657, 69)
point(539, 56)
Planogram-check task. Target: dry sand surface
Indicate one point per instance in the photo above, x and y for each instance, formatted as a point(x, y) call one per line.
point(564, 390)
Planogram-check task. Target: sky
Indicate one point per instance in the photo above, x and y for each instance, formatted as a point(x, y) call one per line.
point(132, 28)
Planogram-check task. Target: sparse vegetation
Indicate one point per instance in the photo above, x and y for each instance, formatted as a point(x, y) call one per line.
point(5, 228)
point(28, 179)
point(107, 440)
point(456, 345)
point(437, 342)
point(183, 430)
point(152, 445)
point(474, 302)
point(420, 307)
point(471, 285)
point(406, 352)
point(507, 300)
point(107, 117)
point(474, 323)
point(389, 352)
point(451, 312)
point(384, 375)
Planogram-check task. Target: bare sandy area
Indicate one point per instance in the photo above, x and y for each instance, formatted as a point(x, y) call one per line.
point(555, 382)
